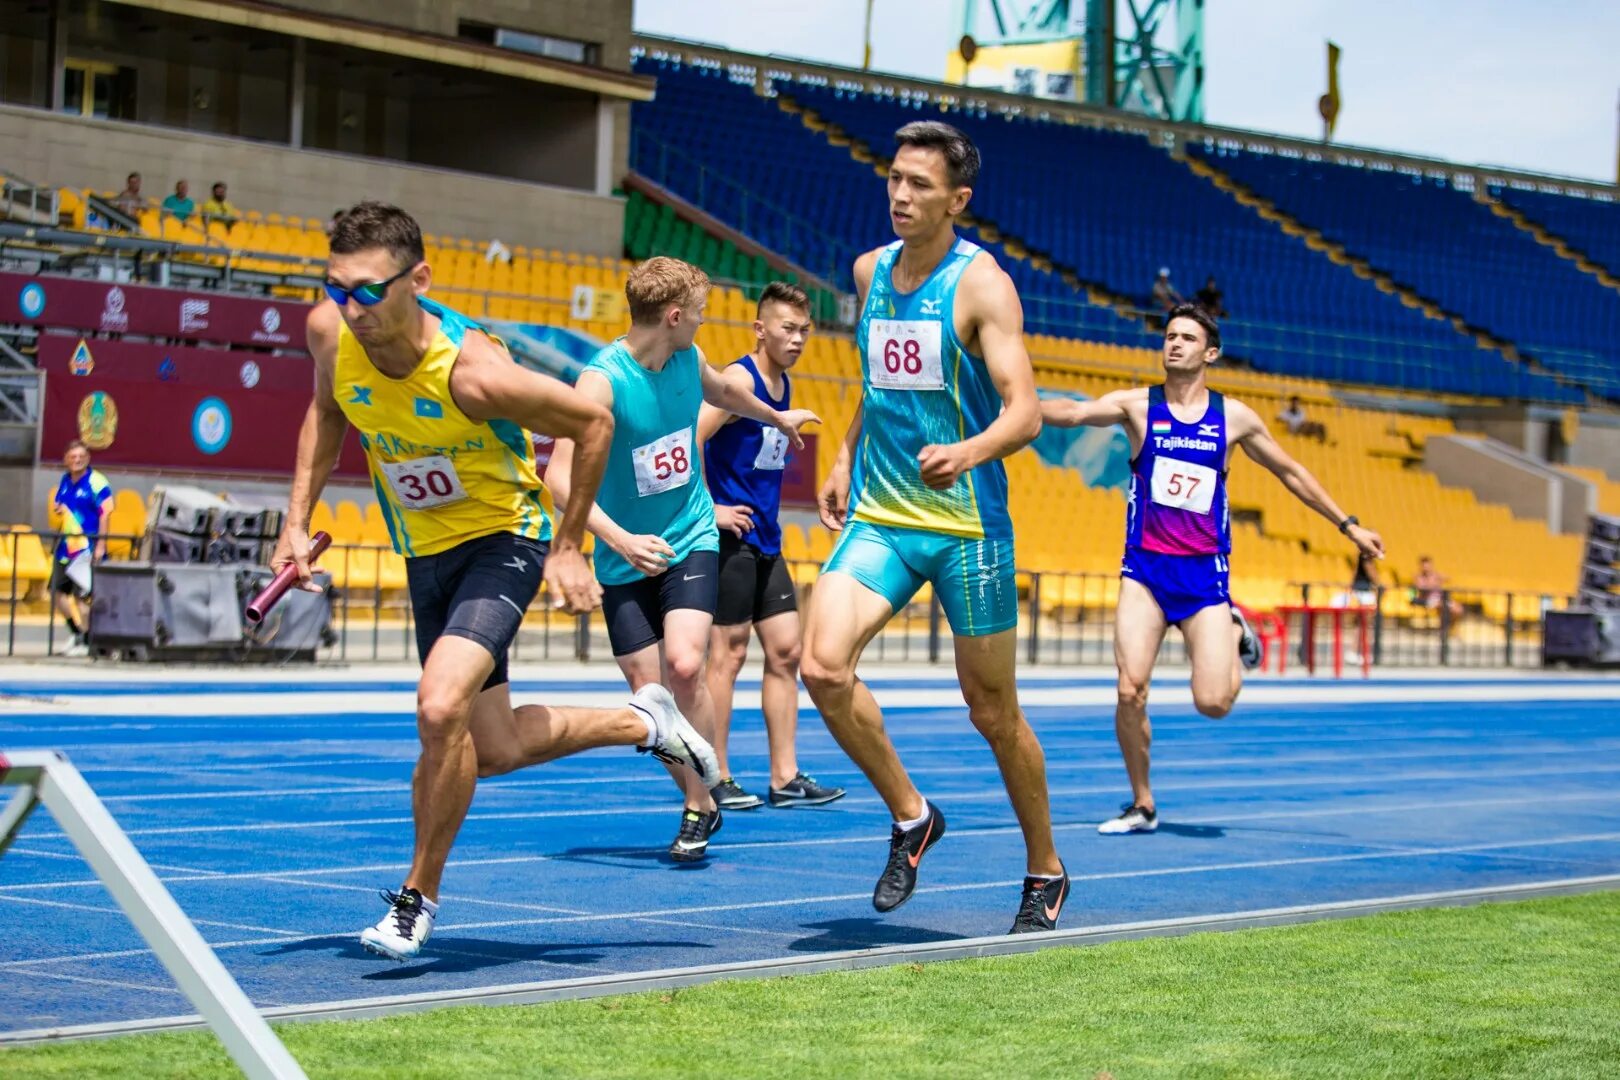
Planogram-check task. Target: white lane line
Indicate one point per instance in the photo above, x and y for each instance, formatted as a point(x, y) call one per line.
point(977, 795)
point(15, 899)
point(1222, 820)
point(865, 894)
point(1170, 763)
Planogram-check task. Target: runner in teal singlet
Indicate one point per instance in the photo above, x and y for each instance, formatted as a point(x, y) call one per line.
point(920, 496)
point(657, 555)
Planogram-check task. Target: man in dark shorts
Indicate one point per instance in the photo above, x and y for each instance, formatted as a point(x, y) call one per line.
point(658, 557)
point(744, 461)
point(444, 417)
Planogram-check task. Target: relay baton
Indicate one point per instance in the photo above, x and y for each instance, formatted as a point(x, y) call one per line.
point(260, 605)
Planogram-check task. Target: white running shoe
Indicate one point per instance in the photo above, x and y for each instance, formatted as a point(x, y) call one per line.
point(1249, 644)
point(405, 929)
point(675, 741)
point(1134, 819)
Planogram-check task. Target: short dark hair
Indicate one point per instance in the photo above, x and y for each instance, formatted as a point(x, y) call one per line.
point(132, 176)
point(74, 444)
point(961, 156)
point(783, 292)
point(1212, 329)
point(373, 224)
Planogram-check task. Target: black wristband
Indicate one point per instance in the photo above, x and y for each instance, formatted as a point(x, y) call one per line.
point(1344, 526)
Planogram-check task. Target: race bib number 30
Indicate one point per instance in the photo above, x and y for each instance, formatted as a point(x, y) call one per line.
point(423, 483)
point(664, 464)
point(1183, 485)
point(905, 354)
point(773, 448)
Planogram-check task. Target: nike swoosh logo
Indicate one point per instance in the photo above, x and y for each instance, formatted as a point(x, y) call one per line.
point(916, 857)
point(784, 596)
point(693, 577)
point(1052, 912)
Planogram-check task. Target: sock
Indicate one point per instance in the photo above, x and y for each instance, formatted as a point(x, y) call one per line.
point(916, 821)
point(430, 906)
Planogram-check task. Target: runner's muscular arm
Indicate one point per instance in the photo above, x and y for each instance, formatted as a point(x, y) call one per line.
point(711, 418)
point(320, 441)
point(737, 520)
point(647, 554)
point(488, 385)
point(1112, 408)
point(734, 397)
point(993, 308)
point(1249, 431)
point(832, 503)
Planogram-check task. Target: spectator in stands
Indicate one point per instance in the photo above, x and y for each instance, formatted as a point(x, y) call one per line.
point(80, 510)
point(1364, 585)
point(218, 208)
point(1211, 299)
point(180, 205)
point(130, 201)
point(1165, 296)
point(1294, 419)
point(1429, 588)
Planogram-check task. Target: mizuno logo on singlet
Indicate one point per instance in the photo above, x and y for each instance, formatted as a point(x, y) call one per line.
point(1209, 430)
point(931, 307)
point(1179, 442)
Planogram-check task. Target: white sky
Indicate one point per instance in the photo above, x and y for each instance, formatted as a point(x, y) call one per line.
point(1506, 82)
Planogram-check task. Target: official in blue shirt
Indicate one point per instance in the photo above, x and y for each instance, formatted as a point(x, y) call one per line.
point(81, 506)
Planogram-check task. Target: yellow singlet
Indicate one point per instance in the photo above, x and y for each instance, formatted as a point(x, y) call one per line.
point(441, 477)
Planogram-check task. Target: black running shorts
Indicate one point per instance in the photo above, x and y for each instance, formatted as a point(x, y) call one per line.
point(635, 611)
point(753, 585)
point(477, 590)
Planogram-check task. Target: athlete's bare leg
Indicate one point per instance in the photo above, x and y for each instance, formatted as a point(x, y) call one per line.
point(987, 668)
point(844, 618)
point(1138, 632)
point(780, 636)
point(679, 663)
point(1212, 647)
point(728, 652)
point(467, 734)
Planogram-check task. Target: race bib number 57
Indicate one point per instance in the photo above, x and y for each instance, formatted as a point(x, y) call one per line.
point(905, 354)
point(423, 483)
point(1183, 485)
point(664, 464)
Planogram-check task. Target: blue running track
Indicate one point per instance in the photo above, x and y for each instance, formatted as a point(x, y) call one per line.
point(275, 830)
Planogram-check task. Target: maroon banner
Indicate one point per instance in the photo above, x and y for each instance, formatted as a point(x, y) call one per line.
point(178, 407)
point(112, 308)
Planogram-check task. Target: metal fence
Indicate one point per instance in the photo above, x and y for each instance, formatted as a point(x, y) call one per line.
point(1064, 618)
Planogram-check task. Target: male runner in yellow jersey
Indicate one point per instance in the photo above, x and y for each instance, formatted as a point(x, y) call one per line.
point(444, 416)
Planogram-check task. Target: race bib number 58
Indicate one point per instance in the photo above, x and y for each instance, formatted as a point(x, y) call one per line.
point(664, 464)
point(905, 354)
point(1183, 485)
point(423, 483)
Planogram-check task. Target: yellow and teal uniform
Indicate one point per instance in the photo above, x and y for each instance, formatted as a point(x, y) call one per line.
point(922, 386)
point(441, 477)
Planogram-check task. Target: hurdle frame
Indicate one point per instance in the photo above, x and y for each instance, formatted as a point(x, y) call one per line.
point(47, 778)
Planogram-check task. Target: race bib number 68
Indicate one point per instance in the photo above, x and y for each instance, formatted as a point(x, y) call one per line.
point(905, 354)
point(663, 464)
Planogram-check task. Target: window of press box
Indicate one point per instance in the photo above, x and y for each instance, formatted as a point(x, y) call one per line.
point(552, 48)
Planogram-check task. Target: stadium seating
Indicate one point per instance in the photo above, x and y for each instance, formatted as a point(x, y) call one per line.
point(1451, 248)
point(1110, 204)
point(1591, 226)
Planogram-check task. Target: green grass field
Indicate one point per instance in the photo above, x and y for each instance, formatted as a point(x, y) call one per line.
point(1528, 989)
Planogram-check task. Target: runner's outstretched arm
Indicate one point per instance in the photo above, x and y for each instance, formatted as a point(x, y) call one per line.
point(1105, 411)
point(1249, 432)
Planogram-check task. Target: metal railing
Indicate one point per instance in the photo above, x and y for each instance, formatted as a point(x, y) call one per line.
point(26, 200)
point(1064, 618)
